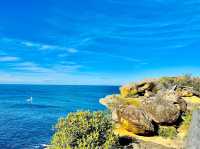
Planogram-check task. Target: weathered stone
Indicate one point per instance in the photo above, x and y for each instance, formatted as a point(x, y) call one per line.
point(133, 90)
point(148, 94)
point(112, 101)
point(172, 97)
point(135, 120)
point(128, 90)
point(182, 105)
point(184, 92)
point(145, 86)
point(162, 111)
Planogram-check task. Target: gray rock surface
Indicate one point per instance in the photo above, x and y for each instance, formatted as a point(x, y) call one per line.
point(193, 140)
point(149, 145)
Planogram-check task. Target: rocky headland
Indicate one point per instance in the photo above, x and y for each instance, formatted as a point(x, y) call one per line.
point(150, 114)
point(155, 111)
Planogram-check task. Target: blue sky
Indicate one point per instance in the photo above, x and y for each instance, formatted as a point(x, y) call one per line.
point(97, 41)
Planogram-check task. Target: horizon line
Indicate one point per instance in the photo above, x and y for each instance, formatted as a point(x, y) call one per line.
point(59, 84)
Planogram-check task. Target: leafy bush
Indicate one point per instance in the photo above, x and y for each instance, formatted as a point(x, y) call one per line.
point(84, 130)
point(196, 84)
point(187, 118)
point(167, 131)
point(168, 82)
point(185, 80)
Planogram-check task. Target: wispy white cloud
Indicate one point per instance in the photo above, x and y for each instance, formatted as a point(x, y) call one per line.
point(8, 59)
point(42, 46)
point(31, 67)
point(29, 44)
point(72, 50)
point(48, 47)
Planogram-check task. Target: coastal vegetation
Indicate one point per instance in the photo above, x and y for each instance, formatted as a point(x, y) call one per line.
point(167, 132)
point(152, 114)
point(83, 130)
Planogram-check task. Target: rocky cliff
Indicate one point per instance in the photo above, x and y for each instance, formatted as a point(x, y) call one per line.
point(155, 112)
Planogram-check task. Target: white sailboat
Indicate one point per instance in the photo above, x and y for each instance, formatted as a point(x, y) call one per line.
point(30, 100)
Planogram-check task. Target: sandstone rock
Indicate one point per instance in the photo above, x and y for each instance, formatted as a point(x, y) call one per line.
point(182, 104)
point(133, 90)
point(172, 97)
point(112, 101)
point(185, 92)
point(128, 90)
point(148, 94)
point(126, 112)
point(135, 120)
point(145, 86)
point(162, 111)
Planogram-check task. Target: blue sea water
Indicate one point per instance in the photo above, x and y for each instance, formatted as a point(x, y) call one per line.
point(29, 126)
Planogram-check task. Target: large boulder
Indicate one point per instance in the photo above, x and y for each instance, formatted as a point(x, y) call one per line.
point(113, 102)
point(173, 98)
point(135, 120)
point(162, 111)
point(127, 113)
point(134, 90)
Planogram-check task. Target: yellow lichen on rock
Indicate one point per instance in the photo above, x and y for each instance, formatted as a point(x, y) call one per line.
point(184, 93)
point(128, 90)
point(126, 125)
point(134, 119)
point(132, 90)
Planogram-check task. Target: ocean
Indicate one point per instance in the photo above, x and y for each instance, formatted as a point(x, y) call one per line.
point(25, 125)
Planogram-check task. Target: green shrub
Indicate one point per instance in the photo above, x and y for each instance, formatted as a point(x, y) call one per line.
point(168, 82)
point(196, 83)
point(185, 80)
point(187, 118)
point(84, 130)
point(167, 131)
